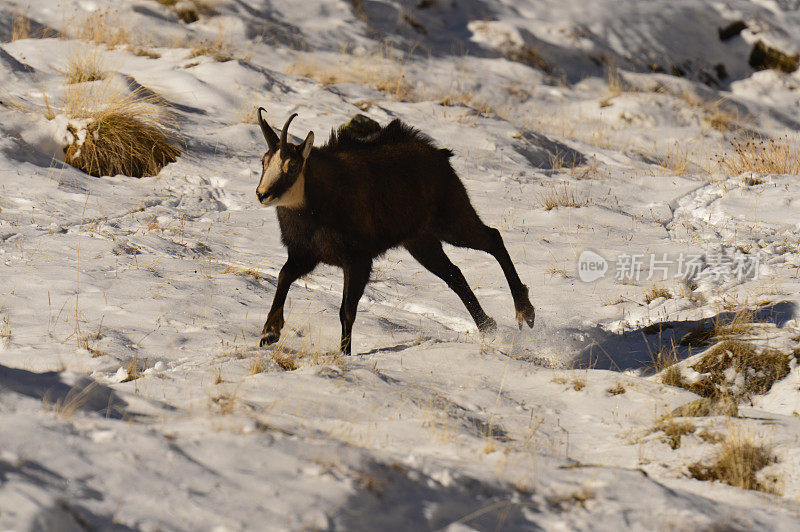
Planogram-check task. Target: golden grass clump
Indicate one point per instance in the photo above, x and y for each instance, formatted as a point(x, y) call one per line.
point(101, 26)
point(467, 99)
point(759, 371)
point(286, 361)
point(257, 365)
point(732, 370)
point(673, 430)
point(560, 197)
point(20, 27)
point(134, 369)
point(219, 49)
point(144, 51)
point(119, 133)
point(5, 332)
point(655, 292)
point(84, 65)
point(672, 376)
point(764, 155)
point(703, 407)
point(718, 117)
point(736, 463)
point(676, 160)
point(190, 10)
point(736, 324)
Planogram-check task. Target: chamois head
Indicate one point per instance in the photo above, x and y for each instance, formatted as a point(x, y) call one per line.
point(282, 183)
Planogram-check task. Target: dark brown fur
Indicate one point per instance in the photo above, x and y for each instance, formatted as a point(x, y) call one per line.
point(367, 195)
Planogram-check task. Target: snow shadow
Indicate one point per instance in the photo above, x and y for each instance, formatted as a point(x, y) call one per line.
point(67, 516)
point(639, 349)
point(86, 394)
point(64, 513)
point(545, 153)
point(392, 498)
point(36, 29)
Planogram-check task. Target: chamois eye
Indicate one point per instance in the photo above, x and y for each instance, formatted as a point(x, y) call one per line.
point(294, 166)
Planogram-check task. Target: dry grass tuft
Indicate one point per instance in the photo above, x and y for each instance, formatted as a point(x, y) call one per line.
point(578, 384)
point(226, 402)
point(144, 51)
point(676, 160)
point(718, 117)
point(664, 359)
point(736, 324)
point(117, 133)
point(615, 86)
point(77, 397)
point(617, 389)
point(257, 365)
point(703, 407)
point(731, 371)
point(754, 153)
point(84, 65)
point(20, 26)
point(736, 463)
point(243, 271)
point(101, 26)
point(190, 10)
point(467, 99)
point(655, 292)
point(672, 376)
point(248, 114)
point(134, 369)
point(219, 48)
point(673, 430)
point(755, 372)
point(287, 361)
point(5, 333)
point(699, 335)
point(560, 197)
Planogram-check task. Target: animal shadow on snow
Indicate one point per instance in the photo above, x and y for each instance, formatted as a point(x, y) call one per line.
point(86, 394)
point(638, 349)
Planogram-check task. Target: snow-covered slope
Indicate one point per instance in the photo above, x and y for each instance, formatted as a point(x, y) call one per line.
point(132, 391)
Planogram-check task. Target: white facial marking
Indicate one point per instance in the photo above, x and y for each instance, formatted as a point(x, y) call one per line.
point(271, 173)
point(292, 198)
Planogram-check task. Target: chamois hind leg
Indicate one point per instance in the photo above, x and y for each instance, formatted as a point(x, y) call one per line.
point(356, 276)
point(294, 268)
point(428, 252)
point(471, 232)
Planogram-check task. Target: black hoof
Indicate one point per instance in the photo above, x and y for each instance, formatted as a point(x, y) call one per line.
point(527, 315)
point(488, 325)
point(269, 338)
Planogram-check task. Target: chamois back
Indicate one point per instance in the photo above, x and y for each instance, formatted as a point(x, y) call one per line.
point(346, 139)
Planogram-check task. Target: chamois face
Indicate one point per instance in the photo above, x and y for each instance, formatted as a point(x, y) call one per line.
point(282, 182)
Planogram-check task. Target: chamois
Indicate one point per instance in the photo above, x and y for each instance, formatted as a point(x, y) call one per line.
point(356, 197)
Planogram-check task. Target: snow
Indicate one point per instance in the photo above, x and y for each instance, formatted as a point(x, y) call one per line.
point(131, 309)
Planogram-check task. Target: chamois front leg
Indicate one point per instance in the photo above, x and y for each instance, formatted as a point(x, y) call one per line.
point(356, 276)
point(294, 268)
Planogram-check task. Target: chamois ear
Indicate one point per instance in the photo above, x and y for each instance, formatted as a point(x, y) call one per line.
point(308, 144)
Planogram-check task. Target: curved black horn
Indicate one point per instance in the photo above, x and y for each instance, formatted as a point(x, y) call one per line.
point(269, 134)
point(285, 129)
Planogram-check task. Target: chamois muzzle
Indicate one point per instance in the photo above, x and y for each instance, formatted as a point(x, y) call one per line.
point(262, 198)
